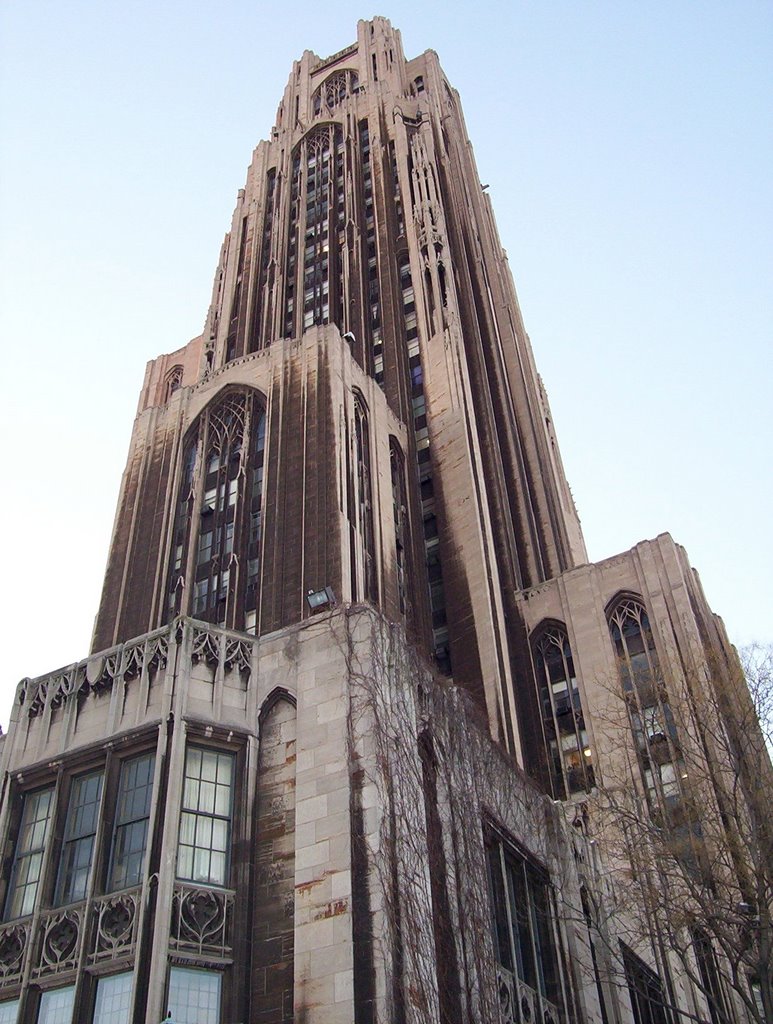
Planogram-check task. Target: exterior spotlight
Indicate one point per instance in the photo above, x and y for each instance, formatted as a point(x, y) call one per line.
point(321, 599)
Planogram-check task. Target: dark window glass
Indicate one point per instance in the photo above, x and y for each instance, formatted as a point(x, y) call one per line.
point(132, 818)
point(646, 990)
point(79, 835)
point(28, 856)
point(524, 928)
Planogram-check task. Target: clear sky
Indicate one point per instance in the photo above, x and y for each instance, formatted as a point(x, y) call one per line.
point(628, 151)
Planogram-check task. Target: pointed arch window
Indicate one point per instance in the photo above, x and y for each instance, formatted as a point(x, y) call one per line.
point(563, 722)
point(652, 720)
point(316, 218)
point(173, 382)
point(334, 90)
point(215, 557)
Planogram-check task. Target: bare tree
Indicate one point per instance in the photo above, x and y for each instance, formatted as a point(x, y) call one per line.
point(693, 839)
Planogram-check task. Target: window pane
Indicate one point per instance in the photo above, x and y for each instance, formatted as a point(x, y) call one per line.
point(9, 1012)
point(205, 820)
point(131, 823)
point(194, 996)
point(56, 1006)
point(81, 826)
point(28, 858)
point(114, 999)
point(523, 922)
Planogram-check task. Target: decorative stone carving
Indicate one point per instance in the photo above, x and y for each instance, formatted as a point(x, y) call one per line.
point(53, 689)
point(201, 920)
point(14, 939)
point(237, 655)
point(115, 927)
point(60, 939)
point(156, 653)
point(205, 647)
point(132, 661)
point(508, 1010)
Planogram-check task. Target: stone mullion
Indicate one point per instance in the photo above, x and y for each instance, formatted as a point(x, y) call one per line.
point(167, 868)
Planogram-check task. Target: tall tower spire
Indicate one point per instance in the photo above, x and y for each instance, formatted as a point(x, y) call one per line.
point(362, 411)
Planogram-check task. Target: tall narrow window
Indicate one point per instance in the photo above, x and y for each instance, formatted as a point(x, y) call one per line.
point(646, 991)
point(222, 548)
point(28, 856)
point(132, 817)
point(569, 754)
point(316, 217)
point(711, 980)
point(114, 999)
point(523, 922)
point(399, 512)
point(260, 316)
point(205, 821)
point(194, 996)
point(80, 832)
point(652, 722)
point(364, 498)
point(437, 595)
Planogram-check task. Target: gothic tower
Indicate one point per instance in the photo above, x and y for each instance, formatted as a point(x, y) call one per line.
point(346, 571)
point(362, 411)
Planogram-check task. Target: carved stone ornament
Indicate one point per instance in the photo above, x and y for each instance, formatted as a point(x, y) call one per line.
point(507, 1006)
point(205, 647)
point(200, 920)
point(237, 655)
point(61, 933)
point(116, 924)
point(13, 945)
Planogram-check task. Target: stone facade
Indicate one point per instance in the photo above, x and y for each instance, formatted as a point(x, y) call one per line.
point(363, 737)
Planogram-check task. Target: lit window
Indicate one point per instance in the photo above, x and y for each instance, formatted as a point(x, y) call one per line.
point(569, 754)
point(114, 999)
point(131, 822)
point(205, 821)
point(56, 1006)
point(523, 921)
point(652, 722)
point(28, 857)
point(194, 996)
point(79, 834)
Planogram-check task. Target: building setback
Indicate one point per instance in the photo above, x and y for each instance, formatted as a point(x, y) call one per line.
point(343, 748)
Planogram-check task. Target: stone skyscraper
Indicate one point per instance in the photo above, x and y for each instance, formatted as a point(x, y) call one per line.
point(346, 573)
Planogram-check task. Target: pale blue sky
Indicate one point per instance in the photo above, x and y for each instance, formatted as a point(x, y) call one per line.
point(628, 151)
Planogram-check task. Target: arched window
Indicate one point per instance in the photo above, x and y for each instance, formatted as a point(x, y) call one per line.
point(334, 91)
point(316, 218)
point(652, 721)
point(569, 754)
point(173, 382)
point(215, 559)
